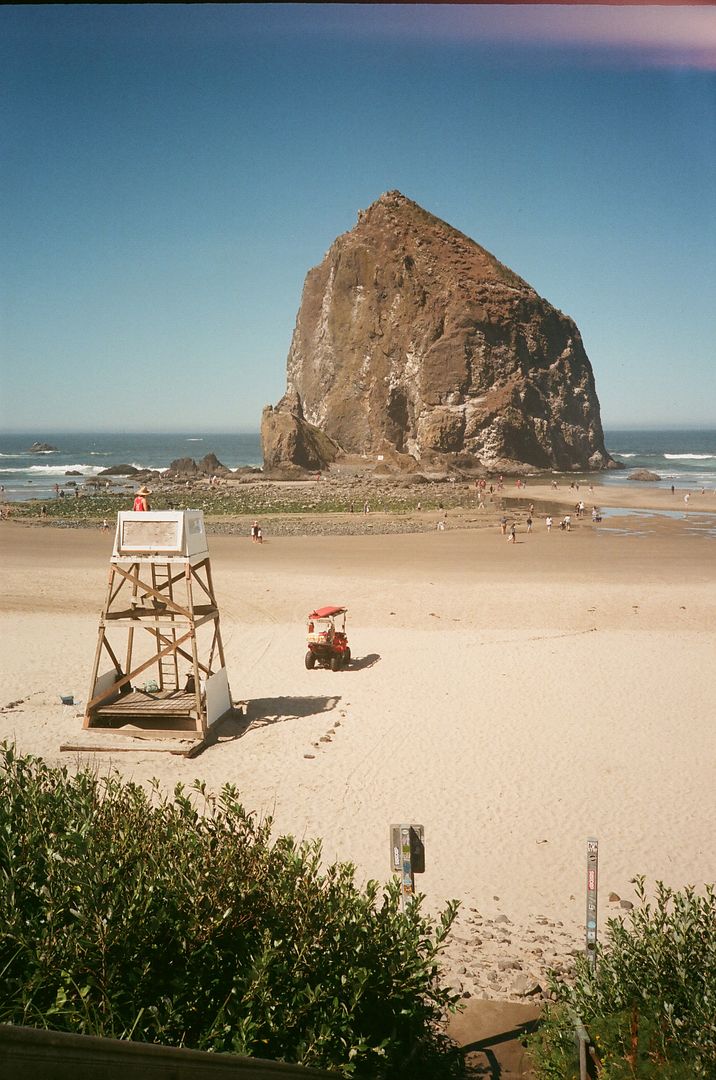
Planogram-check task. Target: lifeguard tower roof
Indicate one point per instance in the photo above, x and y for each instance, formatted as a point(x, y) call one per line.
point(166, 535)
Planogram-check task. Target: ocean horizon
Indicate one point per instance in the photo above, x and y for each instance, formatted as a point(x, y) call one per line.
point(685, 458)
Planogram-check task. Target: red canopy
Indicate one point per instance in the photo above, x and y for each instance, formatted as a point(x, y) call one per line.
point(326, 612)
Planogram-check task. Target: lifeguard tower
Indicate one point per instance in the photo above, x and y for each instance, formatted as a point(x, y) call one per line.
point(166, 682)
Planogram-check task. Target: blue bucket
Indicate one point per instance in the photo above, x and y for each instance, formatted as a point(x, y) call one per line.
point(67, 699)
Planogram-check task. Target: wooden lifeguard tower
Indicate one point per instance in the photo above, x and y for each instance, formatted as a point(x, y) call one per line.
point(159, 630)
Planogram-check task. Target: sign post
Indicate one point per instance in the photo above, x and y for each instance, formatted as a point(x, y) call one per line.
point(592, 883)
point(407, 855)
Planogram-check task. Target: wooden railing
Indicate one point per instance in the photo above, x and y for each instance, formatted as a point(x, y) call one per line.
point(36, 1054)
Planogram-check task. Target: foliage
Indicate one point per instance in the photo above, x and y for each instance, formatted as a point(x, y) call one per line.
point(650, 1003)
point(131, 914)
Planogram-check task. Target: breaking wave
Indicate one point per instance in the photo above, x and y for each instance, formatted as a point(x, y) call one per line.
point(690, 457)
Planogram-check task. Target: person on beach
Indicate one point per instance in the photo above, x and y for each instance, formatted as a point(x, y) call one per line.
point(529, 523)
point(105, 525)
point(141, 499)
point(548, 523)
point(259, 536)
point(512, 538)
point(686, 499)
point(503, 524)
point(255, 532)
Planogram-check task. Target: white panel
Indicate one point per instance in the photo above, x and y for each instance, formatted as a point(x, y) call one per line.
point(218, 697)
point(159, 532)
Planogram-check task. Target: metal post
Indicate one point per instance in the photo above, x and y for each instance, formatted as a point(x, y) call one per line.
point(592, 884)
point(407, 854)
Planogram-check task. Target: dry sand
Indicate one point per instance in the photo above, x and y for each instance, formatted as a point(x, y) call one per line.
point(513, 699)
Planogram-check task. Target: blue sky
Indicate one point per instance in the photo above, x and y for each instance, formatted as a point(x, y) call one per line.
point(170, 173)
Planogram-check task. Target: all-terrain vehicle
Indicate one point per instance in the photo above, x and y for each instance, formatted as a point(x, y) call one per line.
point(327, 640)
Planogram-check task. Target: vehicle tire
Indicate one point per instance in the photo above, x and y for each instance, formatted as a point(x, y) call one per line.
point(310, 660)
point(346, 658)
point(335, 663)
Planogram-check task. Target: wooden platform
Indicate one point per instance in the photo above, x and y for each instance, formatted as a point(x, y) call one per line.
point(158, 704)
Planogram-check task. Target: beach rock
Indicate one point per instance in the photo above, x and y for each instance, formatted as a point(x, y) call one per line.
point(42, 448)
point(509, 965)
point(211, 466)
point(412, 338)
point(643, 474)
point(288, 439)
point(524, 985)
point(185, 467)
point(119, 470)
point(73, 472)
point(626, 905)
point(614, 898)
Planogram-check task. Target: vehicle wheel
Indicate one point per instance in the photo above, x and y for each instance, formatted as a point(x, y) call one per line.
point(310, 660)
point(346, 658)
point(335, 663)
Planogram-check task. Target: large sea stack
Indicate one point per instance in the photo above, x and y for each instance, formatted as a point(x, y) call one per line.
point(411, 338)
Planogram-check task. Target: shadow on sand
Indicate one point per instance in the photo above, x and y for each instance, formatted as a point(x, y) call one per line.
point(264, 711)
point(360, 663)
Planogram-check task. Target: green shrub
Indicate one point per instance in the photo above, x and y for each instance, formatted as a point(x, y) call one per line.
point(649, 1005)
point(129, 914)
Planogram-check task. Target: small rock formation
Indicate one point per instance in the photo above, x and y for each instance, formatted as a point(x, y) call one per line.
point(412, 339)
point(42, 448)
point(186, 467)
point(119, 470)
point(643, 474)
point(287, 439)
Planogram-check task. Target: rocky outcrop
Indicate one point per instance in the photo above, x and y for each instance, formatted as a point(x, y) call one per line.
point(643, 474)
point(287, 439)
point(411, 338)
point(42, 448)
point(119, 470)
point(188, 468)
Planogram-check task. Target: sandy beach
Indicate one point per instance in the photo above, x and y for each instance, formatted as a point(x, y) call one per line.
point(512, 698)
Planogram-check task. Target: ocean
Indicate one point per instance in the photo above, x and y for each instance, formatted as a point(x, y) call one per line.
point(686, 459)
point(27, 475)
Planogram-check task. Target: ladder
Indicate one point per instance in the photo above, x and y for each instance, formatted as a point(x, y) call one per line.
point(168, 665)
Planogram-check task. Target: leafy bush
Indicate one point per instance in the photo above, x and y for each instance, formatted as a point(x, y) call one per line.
point(129, 914)
point(650, 1003)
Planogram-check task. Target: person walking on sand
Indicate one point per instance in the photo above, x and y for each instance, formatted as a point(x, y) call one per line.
point(686, 499)
point(254, 532)
point(141, 499)
point(503, 524)
point(548, 523)
point(529, 523)
point(512, 539)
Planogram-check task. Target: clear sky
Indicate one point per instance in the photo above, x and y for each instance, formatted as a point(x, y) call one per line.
point(168, 175)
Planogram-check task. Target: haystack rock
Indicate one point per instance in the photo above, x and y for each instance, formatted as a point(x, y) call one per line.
point(413, 339)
